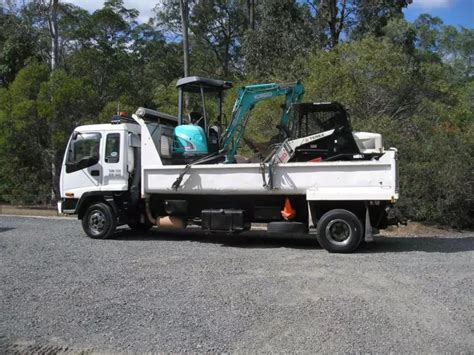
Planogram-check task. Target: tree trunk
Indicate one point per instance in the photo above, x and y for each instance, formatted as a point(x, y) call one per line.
point(251, 13)
point(329, 10)
point(333, 22)
point(53, 29)
point(183, 4)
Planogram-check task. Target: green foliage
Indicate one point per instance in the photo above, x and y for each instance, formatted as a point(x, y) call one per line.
point(65, 102)
point(371, 16)
point(165, 98)
point(372, 77)
point(18, 44)
point(24, 170)
point(217, 27)
point(110, 109)
point(411, 82)
point(436, 169)
point(284, 36)
point(416, 108)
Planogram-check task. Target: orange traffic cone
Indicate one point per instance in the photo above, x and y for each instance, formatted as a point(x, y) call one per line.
point(288, 212)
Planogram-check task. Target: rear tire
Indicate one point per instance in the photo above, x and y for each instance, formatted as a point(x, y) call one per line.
point(339, 231)
point(287, 227)
point(99, 221)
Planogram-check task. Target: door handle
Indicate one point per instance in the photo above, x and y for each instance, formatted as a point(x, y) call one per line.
point(95, 172)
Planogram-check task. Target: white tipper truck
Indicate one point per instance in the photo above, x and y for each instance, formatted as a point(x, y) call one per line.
point(125, 172)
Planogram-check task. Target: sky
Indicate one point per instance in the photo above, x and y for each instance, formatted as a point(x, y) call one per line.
point(144, 6)
point(452, 12)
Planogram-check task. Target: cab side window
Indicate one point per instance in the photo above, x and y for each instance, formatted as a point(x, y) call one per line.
point(112, 148)
point(85, 145)
point(83, 151)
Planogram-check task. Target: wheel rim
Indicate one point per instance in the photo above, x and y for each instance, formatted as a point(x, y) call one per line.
point(97, 222)
point(338, 232)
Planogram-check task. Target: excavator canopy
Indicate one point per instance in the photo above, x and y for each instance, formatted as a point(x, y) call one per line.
point(195, 83)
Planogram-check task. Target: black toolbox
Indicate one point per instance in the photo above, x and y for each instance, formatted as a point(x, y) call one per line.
point(224, 220)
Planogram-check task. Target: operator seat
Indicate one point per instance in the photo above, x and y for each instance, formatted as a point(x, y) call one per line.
point(196, 118)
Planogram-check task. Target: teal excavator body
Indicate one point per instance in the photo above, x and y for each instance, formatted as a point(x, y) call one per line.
point(190, 141)
point(196, 139)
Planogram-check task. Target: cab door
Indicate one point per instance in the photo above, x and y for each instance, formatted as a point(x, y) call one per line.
point(82, 169)
point(114, 163)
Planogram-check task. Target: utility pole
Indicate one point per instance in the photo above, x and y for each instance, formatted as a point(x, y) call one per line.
point(53, 30)
point(184, 7)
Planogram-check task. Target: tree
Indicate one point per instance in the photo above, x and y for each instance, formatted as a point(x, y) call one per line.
point(155, 63)
point(371, 16)
point(374, 78)
point(402, 34)
point(457, 49)
point(217, 28)
point(49, 10)
point(18, 43)
point(354, 18)
point(428, 30)
point(332, 18)
point(25, 169)
point(215, 32)
point(104, 59)
point(276, 46)
point(63, 102)
point(416, 107)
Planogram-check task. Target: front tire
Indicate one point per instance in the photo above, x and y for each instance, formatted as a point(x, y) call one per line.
point(339, 231)
point(99, 221)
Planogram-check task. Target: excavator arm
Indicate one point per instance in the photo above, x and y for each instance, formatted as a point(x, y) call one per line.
point(248, 96)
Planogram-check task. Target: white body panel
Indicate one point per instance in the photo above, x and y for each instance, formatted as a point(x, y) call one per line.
point(338, 180)
point(112, 176)
point(343, 180)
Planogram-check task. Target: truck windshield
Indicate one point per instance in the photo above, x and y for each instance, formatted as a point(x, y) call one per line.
point(84, 145)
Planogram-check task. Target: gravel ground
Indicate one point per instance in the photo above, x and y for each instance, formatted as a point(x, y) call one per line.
point(185, 291)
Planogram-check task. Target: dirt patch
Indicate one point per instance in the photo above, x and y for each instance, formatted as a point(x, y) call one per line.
point(419, 230)
point(27, 211)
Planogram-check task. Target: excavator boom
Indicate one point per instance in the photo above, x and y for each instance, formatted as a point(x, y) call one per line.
point(247, 97)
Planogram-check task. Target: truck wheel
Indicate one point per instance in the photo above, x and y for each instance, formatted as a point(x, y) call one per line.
point(287, 227)
point(339, 231)
point(99, 221)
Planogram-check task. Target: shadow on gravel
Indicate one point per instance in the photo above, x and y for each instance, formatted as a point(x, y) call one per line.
point(38, 348)
point(3, 229)
point(252, 239)
point(425, 244)
point(262, 240)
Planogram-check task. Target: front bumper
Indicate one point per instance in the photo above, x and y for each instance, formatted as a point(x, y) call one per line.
point(67, 205)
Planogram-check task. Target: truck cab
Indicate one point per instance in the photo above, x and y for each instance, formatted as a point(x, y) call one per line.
point(103, 160)
point(98, 158)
